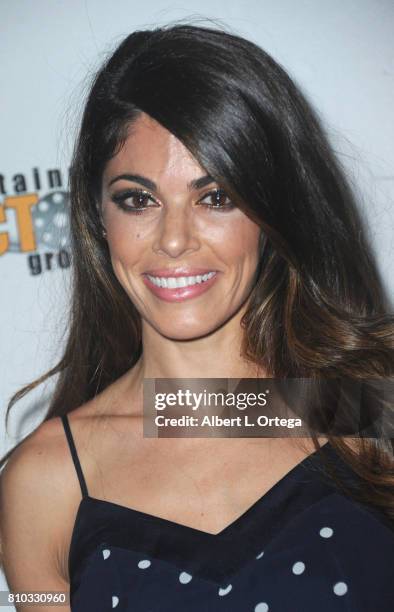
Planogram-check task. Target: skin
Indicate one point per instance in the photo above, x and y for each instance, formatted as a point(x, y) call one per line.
point(197, 482)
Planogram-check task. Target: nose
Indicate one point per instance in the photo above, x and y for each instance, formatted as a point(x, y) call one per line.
point(175, 233)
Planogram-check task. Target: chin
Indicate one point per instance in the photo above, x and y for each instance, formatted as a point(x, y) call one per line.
point(185, 331)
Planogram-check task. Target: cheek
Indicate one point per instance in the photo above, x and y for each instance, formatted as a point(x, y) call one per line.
point(239, 241)
point(126, 241)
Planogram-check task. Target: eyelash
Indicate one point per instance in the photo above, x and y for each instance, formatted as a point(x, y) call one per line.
point(120, 198)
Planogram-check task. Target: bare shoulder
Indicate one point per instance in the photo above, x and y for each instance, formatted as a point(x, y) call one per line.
point(33, 489)
point(33, 465)
point(39, 499)
point(41, 464)
point(40, 493)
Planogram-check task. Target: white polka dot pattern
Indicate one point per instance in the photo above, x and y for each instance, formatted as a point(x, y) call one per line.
point(298, 568)
point(184, 577)
point(340, 588)
point(261, 607)
point(226, 590)
point(326, 532)
point(144, 563)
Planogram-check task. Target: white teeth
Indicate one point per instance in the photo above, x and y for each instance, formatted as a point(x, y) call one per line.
point(172, 282)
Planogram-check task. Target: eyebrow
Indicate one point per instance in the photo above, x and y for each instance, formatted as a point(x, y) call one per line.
point(137, 178)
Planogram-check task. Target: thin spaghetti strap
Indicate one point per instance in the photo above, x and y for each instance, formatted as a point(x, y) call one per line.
point(74, 455)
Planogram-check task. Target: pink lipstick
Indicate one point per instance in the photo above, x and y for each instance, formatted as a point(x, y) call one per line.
point(180, 283)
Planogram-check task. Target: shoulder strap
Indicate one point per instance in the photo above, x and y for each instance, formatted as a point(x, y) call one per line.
point(74, 455)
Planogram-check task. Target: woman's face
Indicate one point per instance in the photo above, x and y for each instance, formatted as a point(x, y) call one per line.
point(157, 204)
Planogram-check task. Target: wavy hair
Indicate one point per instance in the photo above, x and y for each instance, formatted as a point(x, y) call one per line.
point(318, 308)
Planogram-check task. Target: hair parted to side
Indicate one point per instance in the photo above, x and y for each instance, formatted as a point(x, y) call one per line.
point(318, 308)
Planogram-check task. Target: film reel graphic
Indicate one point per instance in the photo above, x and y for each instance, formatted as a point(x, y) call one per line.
point(50, 220)
point(50, 223)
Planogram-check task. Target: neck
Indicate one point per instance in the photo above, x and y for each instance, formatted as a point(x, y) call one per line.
point(216, 355)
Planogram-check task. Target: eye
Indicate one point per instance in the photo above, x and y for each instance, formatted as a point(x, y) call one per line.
point(133, 200)
point(217, 199)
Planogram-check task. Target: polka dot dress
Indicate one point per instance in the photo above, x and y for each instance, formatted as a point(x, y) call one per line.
point(302, 547)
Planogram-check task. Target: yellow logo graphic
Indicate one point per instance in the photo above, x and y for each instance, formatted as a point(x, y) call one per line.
point(34, 222)
point(22, 205)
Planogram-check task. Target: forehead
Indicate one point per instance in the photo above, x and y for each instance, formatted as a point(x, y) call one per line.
point(152, 150)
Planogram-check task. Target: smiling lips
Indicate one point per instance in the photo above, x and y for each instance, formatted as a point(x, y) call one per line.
point(176, 286)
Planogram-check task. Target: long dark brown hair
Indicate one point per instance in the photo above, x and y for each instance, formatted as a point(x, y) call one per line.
point(318, 308)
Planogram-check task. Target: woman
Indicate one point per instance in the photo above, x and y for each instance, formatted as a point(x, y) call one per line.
point(199, 157)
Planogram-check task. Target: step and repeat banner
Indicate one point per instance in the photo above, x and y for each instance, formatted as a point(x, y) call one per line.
point(341, 53)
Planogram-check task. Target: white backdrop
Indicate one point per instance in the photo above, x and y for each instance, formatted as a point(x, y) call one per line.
point(340, 52)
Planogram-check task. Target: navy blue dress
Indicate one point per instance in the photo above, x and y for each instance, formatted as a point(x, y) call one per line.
point(302, 547)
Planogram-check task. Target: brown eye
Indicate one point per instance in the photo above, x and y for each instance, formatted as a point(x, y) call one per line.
point(137, 200)
point(133, 200)
point(217, 199)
